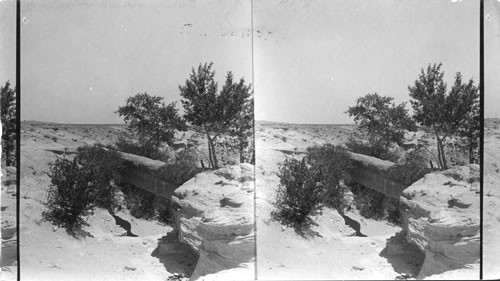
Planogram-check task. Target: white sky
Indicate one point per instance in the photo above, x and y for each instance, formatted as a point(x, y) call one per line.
point(325, 53)
point(7, 42)
point(82, 59)
point(492, 58)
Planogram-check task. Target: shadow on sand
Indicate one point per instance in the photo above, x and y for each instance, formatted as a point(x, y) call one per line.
point(405, 258)
point(175, 256)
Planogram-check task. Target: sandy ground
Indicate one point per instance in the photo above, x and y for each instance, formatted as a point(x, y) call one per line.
point(328, 253)
point(491, 203)
point(101, 251)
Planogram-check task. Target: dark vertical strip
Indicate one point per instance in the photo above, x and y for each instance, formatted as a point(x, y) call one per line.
point(481, 142)
point(254, 148)
point(18, 130)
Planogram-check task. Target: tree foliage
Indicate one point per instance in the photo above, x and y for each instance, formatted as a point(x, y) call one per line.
point(153, 121)
point(383, 120)
point(446, 113)
point(9, 124)
point(215, 112)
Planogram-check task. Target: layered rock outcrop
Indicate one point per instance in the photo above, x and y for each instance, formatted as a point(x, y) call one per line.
point(442, 217)
point(214, 215)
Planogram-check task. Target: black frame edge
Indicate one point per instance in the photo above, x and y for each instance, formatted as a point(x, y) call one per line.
point(481, 138)
point(18, 130)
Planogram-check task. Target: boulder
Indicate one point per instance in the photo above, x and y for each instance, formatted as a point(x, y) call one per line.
point(441, 216)
point(214, 215)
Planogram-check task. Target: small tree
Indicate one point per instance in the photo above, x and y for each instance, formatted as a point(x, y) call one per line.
point(152, 120)
point(445, 114)
point(243, 130)
point(466, 114)
point(383, 120)
point(214, 112)
point(8, 113)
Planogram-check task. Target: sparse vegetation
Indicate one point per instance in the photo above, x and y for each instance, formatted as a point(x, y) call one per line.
point(455, 113)
point(80, 185)
point(153, 121)
point(9, 125)
point(228, 111)
point(307, 185)
point(383, 120)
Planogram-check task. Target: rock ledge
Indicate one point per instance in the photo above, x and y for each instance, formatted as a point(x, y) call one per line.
point(214, 215)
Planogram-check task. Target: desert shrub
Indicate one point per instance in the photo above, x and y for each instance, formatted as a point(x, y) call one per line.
point(103, 164)
point(307, 185)
point(69, 196)
point(298, 198)
point(79, 185)
point(333, 164)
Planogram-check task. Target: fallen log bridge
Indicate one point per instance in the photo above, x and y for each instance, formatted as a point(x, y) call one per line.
point(151, 175)
point(162, 179)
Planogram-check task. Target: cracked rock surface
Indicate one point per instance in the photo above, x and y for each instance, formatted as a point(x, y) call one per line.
point(441, 218)
point(214, 215)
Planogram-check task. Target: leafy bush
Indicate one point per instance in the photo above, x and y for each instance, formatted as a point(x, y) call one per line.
point(103, 166)
point(69, 196)
point(333, 164)
point(298, 197)
point(307, 185)
point(79, 185)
